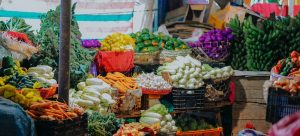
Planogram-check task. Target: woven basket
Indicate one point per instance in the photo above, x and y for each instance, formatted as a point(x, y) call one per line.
point(146, 58)
point(170, 55)
point(201, 55)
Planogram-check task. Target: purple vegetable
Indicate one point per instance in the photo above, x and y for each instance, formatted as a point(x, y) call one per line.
point(90, 43)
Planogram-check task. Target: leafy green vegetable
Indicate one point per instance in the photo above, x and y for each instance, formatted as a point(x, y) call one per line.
point(186, 122)
point(48, 38)
point(103, 125)
point(158, 108)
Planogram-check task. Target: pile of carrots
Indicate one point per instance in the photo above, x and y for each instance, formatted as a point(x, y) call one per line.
point(120, 81)
point(53, 111)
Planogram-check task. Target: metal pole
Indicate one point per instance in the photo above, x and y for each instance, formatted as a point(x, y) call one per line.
point(64, 51)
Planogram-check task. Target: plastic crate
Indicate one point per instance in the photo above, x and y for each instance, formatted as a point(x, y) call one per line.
point(210, 132)
point(76, 127)
point(281, 104)
point(187, 99)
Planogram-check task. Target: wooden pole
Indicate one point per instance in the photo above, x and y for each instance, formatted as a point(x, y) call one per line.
point(64, 51)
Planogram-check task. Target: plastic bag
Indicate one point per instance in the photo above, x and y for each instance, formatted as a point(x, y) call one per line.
point(19, 50)
point(108, 61)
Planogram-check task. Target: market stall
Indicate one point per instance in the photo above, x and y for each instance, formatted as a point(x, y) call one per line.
point(180, 81)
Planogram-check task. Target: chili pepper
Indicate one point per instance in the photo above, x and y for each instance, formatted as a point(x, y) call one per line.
point(276, 69)
point(294, 60)
point(294, 54)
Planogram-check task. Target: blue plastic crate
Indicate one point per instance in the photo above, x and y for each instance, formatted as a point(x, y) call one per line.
point(281, 104)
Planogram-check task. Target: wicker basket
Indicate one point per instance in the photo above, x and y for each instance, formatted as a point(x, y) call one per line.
point(201, 55)
point(170, 55)
point(147, 58)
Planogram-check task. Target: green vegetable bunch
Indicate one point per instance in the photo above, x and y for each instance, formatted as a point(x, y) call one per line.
point(48, 38)
point(149, 42)
point(103, 125)
point(261, 42)
point(237, 59)
point(186, 122)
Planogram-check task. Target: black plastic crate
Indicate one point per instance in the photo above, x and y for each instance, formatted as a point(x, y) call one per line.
point(188, 99)
point(75, 127)
point(281, 104)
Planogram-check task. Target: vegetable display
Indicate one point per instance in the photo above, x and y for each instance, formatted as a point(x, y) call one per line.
point(289, 66)
point(48, 39)
point(91, 43)
point(237, 59)
point(149, 42)
point(146, 41)
point(186, 122)
point(153, 115)
point(213, 73)
point(168, 125)
point(19, 25)
point(289, 69)
point(185, 72)
point(120, 81)
point(118, 42)
point(261, 44)
point(103, 125)
point(215, 43)
point(152, 81)
point(94, 94)
point(53, 111)
point(24, 97)
point(43, 74)
point(136, 129)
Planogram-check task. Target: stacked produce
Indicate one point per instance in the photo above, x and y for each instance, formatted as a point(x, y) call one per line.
point(185, 72)
point(216, 73)
point(261, 42)
point(93, 94)
point(10, 67)
point(11, 73)
point(186, 122)
point(43, 74)
point(91, 43)
point(289, 69)
point(149, 42)
point(136, 129)
point(23, 30)
point(154, 114)
point(48, 39)
point(153, 82)
point(53, 111)
point(214, 43)
point(18, 44)
point(237, 59)
point(24, 97)
point(118, 42)
point(103, 125)
point(167, 125)
point(120, 81)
